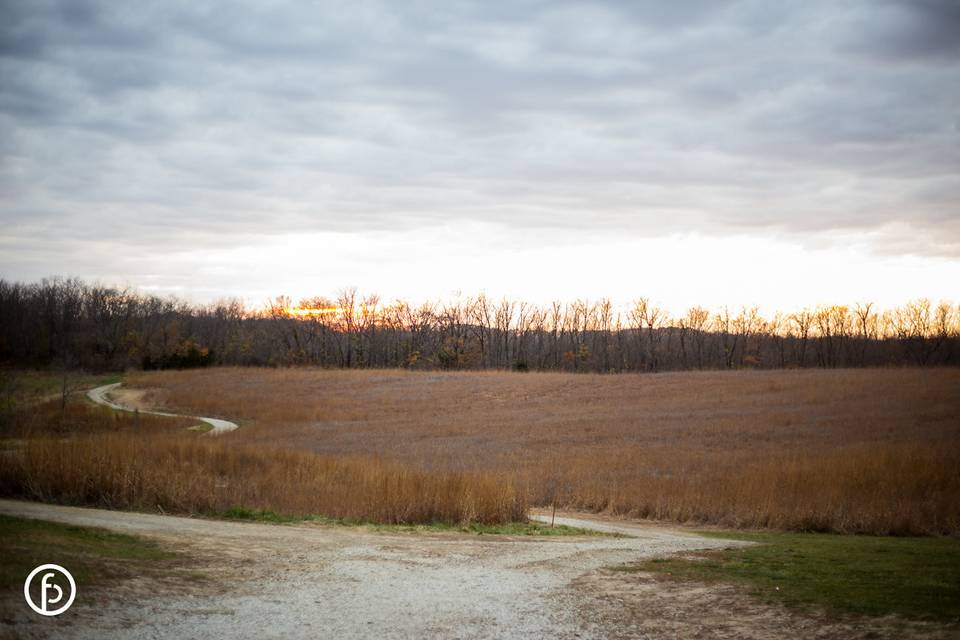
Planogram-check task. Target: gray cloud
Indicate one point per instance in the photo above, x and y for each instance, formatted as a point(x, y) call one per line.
point(913, 29)
point(171, 125)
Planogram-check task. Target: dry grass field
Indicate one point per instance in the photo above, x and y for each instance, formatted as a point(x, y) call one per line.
point(89, 455)
point(873, 451)
point(173, 473)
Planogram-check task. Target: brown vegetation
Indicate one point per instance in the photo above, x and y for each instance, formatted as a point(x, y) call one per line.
point(120, 461)
point(873, 451)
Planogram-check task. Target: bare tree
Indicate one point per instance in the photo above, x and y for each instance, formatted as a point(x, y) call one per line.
point(97, 327)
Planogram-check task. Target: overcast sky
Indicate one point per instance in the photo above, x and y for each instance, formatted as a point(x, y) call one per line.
point(698, 152)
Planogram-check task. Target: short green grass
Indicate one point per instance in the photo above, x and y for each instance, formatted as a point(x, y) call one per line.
point(509, 529)
point(913, 577)
point(91, 555)
point(203, 427)
point(12, 444)
point(263, 515)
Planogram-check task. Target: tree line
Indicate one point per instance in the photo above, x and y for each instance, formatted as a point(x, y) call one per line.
point(72, 324)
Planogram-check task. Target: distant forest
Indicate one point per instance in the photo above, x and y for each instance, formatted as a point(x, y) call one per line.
point(66, 323)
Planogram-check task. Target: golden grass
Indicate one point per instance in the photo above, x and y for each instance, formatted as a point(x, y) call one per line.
point(172, 470)
point(892, 489)
point(872, 451)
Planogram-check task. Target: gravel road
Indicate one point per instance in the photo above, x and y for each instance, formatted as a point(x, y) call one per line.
point(310, 581)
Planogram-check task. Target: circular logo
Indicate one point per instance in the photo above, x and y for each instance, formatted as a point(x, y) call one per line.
point(51, 593)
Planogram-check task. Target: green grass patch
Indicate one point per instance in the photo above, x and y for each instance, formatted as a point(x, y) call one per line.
point(912, 577)
point(91, 555)
point(201, 428)
point(509, 529)
point(20, 388)
point(12, 444)
point(260, 515)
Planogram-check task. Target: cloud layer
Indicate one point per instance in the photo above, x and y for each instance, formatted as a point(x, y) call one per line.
point(153, 127)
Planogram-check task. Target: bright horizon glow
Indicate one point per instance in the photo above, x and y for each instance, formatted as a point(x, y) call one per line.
point(676, 272)
point(311, 311)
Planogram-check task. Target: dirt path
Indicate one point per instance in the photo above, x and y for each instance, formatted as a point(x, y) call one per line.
point(102, 395)
point(344, 582)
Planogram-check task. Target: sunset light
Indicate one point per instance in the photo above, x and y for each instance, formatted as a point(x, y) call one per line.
point(306, 313)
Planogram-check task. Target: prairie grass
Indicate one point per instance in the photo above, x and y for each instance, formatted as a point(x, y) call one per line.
point(175, 471)
point(854, 451)
point(898, 489)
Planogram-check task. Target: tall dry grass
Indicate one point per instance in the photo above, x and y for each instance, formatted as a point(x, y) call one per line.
point(875, 489)
point(92, 456)
point(178, 475)
point(868, 451)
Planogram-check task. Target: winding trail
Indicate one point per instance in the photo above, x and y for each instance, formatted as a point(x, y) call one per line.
point(99, 395)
